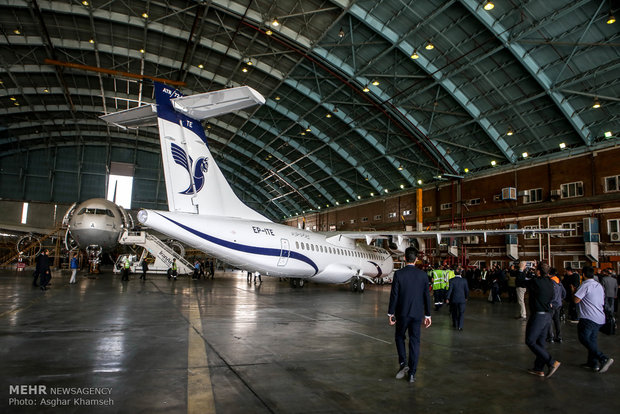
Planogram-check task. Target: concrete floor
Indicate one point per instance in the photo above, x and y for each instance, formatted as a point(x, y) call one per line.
point(227, 346)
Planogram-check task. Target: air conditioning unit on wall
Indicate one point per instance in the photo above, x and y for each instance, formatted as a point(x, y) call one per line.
point(614, 236)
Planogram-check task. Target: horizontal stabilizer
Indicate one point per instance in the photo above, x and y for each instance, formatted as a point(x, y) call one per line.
point(133, 118)
point(211, 104)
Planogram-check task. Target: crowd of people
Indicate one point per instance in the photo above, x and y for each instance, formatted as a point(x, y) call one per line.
point(587, 298)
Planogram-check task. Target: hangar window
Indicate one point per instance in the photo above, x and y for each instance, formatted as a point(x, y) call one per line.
point(341, 222)
point(391, 215)
point(352, 221)
point(24, 213)
point(612, 183)
point(474, 202)
point(446, 206)
point(574, 265)
point(377, 217)
point(570, 190)
point(530, 236)
point(332, 227)
point(120, 183)
point(613, 226)
point(407, 213)
point(533, 196)
point(572, 229)
point(427, 209)
point(364, 219)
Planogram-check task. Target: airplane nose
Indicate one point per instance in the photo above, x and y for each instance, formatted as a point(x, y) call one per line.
point(143, 216)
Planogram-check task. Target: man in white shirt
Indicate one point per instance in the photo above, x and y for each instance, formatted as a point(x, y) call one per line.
point(590, 300)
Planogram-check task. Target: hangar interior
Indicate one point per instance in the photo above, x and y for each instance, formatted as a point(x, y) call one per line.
point(367, 102)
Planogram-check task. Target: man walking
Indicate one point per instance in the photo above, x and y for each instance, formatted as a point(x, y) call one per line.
point(590, 300)
point(571, 284)
point(410, 304)
point(541, 294)
point(458, 292)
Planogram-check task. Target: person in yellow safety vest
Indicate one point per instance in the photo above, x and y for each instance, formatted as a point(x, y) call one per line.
point(126, 266)
point(449, 275)
point(174, 269)
point(439, 286)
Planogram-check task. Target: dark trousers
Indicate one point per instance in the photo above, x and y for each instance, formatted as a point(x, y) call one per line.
point(143, 275)
point(587, 332)
point(555, 325)
point(572, 308)
point(125, 274)
point(411, 325)
point(457, 310)
point(535, 336)
point(440, 297)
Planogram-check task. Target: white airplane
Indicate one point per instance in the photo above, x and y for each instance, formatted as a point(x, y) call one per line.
point(205, 213)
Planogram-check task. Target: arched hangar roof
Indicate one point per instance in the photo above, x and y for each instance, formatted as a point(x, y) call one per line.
point(358, 103)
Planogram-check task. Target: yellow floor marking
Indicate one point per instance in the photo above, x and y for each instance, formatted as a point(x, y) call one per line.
point(199, 390)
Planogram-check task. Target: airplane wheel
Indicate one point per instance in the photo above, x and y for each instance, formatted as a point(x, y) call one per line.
point(361, 286)
point(293, 283)
point(354, 285)
point(301, 283)
point(29, 246)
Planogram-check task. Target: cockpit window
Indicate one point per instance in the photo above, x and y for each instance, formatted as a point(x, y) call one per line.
point(97, 211)
point(82, 211)
point(109, 213)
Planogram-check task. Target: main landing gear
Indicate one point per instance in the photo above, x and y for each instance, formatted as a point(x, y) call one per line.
point(357, 284)
point(297, 282)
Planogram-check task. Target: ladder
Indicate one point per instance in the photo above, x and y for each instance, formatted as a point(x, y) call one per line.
point(162, 253)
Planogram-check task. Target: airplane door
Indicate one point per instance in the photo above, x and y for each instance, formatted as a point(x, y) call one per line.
point(284, 252)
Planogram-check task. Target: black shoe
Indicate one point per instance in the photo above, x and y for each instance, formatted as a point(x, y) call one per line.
point(402, 371)
point(460, 329)
point(606, 364)
point(558, 340)
point(549, 339)
point(411, 378)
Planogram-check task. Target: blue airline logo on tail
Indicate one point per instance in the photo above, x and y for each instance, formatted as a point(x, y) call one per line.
point(200, 168)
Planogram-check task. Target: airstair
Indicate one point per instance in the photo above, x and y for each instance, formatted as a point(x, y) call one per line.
point(162, 253)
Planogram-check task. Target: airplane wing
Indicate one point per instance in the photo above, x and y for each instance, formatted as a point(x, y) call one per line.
point(440, 234)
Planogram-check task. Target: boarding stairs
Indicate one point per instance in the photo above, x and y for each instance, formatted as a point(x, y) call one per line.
point(162, 253)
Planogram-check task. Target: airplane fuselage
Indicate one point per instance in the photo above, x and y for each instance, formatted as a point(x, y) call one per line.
point(273, 249)
point(96, 222)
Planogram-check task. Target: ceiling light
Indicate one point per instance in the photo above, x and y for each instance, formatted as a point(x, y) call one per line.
point(375, 83)
point(466, 170)
point(201, 66)
point(91, 41)
point(13, 98)
point(562, 145)
point(510, 132)
point(302, 133)
point(244, 70)
point(328, 115)
point(46, 90)
point(268, 32)
point(402, 186)
point(359, 197)
point(347, 200)
point(308, 129)
point(142, 51)
point(85, 3)
point(608, 134)
point(277, 98)
point(372, 194)
point(337, 203)
point(16, 103)
point(525, 155)
point(275, 23)
point(420, 182)
point(611, 19)
point(415, 55)
point(145, 15)
point(429, 46)
point(597, 103)
point(249, 62)
point(400, 168)
point(17, 31)
point(488, 5)
point(493, 163)
point(341, 33)
point(386, 190)
point(365, 89)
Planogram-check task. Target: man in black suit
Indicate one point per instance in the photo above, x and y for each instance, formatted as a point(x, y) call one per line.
point(457, 296)
point(410, 304)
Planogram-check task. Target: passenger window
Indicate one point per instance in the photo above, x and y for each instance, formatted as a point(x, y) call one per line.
point(297, 245)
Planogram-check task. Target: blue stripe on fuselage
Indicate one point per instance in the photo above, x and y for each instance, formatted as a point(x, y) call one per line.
point(378, 268)
point(243, 248)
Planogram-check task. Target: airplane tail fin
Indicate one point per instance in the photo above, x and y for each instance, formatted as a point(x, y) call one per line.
point(194, 182)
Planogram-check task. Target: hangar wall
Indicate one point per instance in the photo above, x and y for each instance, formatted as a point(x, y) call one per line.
point(556, 193)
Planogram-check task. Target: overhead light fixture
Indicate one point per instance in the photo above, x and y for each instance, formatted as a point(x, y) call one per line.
point(429, 46)
point(46, 90)
point(400, 168)
point(402, 186)
point(562, 145)
point(13, 98)
point(359, 197)
point(201, 66)
point(328, 115)
point(91, 41)
point(277, 98)
point(608, 134)
point(366, 178)
point(597, 103)
point(525, 155)
point(308, 129)
point(341, 33)
point(145, 15)
point(249, 62)
point(17, 31)
point(611, 19)
point(268, 32)
point(16, 103)
point(386, 190)
point(420, 182)
point(493, 163)
point(415, 55)
point(366, 89)
point(347, 200)
point(510, 132)
point(372, 194)
point(488, 5)
point(375, 83)
point(142, 51)
point(466, 170)
point(85, 3)
point(244, 70)
point(275, 22)
point(302, 133)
